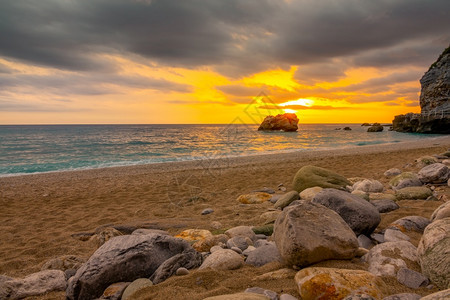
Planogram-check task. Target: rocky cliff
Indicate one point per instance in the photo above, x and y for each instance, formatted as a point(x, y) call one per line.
point(434, 101)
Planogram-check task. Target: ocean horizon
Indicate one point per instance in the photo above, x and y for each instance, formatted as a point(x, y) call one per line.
point(31, 149)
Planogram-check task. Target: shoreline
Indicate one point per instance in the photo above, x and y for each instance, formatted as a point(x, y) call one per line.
point(304, 153)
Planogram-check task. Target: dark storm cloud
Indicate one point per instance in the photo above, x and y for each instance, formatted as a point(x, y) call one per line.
point(382, 83)
point(234, 36)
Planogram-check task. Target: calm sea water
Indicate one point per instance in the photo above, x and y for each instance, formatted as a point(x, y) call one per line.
point(45, 148)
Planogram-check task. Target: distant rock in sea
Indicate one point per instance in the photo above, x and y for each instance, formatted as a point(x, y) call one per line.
point(284, 122)
point(434, 101)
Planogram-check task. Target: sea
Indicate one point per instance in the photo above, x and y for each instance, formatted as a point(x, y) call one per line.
point(29, 149)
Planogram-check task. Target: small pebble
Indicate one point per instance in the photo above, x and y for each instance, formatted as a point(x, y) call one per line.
point(207, 211)
point(283, 189)
point(182, 272)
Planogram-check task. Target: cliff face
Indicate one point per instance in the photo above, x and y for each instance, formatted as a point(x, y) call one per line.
point(434, 101)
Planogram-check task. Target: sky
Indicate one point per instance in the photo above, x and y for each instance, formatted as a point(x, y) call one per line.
point(215, 61)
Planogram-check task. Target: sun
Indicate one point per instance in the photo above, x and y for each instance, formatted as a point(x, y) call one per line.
point(301, 101)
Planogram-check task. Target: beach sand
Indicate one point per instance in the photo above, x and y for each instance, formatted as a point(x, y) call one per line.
point(39, 213)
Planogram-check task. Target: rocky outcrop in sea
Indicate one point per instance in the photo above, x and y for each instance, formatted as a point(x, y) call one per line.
point(434, 101)
point(284, 122)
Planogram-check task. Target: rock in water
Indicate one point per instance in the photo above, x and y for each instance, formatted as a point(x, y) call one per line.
point(284, 122)
point(360, 215)
point(375, 128)
point(123, 258)
point(330, 283)
point(308, 233)
point(433, 251)
point(311, 176)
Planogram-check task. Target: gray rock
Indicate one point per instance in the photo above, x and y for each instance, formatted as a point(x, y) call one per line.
point(384, 206)
point(441, 295)
point(224, 259)
point(360, 215)
point(142, 231)
point(443, 211)
point(287, 199)
point(241, 231)
point(410, 223)
point(33, 285)
point(260, 243)
point(403, 296)
point(404, 179)
point(215, 248)
point(309, 193)
point(135, 286)
point(387, 258)
point(433, 251)
point(263, 255)
point(311, 176)
point(287, 297)
point(365, 242)
point(241, 242)
point(368, 186)
point(411, 279)
point(408, 182)
point(182, 272)
point(4, 278)
point(123, 258)
point(309, 233)
point(189, 259)
point(378, 237)
point(392, 172)
point(359, 297)
point(207, 211)
point(395, 235)
point(435, 173)
point(63, 263)
point(248, 251)
point(265, 190)
point(237, 250)
point(261, 237)
point(257, 290)
point(69, 273)
point(413, 193)
point(275, 198)
point(115, 291)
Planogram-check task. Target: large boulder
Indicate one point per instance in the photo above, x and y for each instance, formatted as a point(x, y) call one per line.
point(311, 176)
point(443, 211)
point(435, 173)
point(360, 215)
point(284, 122)
point(124, 258)
point(308, 233)
point(413, 193)
point(434, 252)
point(330, 283)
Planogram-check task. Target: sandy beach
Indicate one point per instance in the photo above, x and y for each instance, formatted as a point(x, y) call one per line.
point(40, 213)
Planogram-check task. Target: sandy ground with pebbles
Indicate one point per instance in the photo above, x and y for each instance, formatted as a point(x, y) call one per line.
point(39, 213)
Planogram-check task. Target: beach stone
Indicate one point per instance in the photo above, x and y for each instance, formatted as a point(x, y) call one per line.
point(106, 234)
point(331, 283)
point(309, 233)
point(387, 258)
point(411, 279)
point(413, 193)
point(443, 211)
point(369, 186)
point(397, 180)
point(136, 286)
point(311, 176)
point(365, 242)
point(207, 211)
point(395, 235)
point(309, 193)
point(206, 244)
point(287, 297)
point(194, 234)
point(254, 198)
point(141, 231)
point(360, 215)
point(426, 160)
point(270, 216)
point(285, 273)
point(265, 190)
point(123, 258)
point(263, 255)
point(241, 242)
point(275, 198)
point(287, 199)
point(182, 272)
point(215, 248)
point(115, 291)
point(435, 173)
point(361, 252)
point(216, 225)
point(392, 172)
point(63, 263)
point(264, 230)
point(241, 231)
point(247, 251)
point(239, 296)
point(268, 293)
point(384, 206)
point(378, 237)
point(224, 259)
point(403, 296)
point(69, 273)
point(189, 259)
point(361, 194)
point(441, 295)
point(434, 252)
point(237, 250)
point(410, 223)
point(381, 196)
point(260, 243)
point(375, 128)
point(33, 285)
